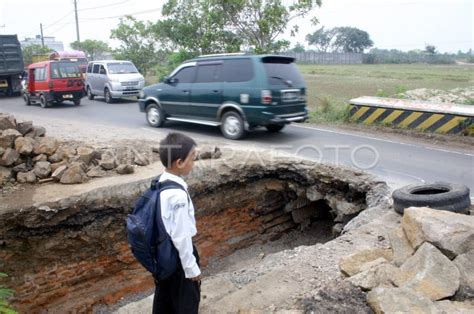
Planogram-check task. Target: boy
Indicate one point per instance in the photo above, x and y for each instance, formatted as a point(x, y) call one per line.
point(180, 293)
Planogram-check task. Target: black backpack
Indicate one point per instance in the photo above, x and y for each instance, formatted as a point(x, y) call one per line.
point(147, 237)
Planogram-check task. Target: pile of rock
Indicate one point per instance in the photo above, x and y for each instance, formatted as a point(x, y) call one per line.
point(428, 269)
point(27, 155)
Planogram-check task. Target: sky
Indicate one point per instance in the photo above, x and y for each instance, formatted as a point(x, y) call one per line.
point(391, 24)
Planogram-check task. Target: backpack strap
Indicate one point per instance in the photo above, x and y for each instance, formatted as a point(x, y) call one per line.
point(162, 186)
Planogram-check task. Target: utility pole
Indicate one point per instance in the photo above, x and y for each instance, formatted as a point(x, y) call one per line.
point(42, 37)
point(77, 21)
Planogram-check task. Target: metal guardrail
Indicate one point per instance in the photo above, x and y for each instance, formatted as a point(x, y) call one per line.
point(423, 116)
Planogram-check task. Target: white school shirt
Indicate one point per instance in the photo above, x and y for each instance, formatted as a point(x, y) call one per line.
point(177, 212)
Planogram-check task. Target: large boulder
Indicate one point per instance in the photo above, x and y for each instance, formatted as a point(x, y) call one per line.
point(452, 233)
point(41, 157)
point(125, 169)
point(401, 247)
point(26, 177)
point(465, 265)
point(86, 154)
point(7, 121)
point(96, 172)
point(47, 146)
point(399, 300)
point(353, 264)
point(383, 274)
point(24, 145)
point(8, 137)
point(108, 161)
point(5, 175)
point(56, 165)
point(140, 159)
point(74, 174)
point(64, 152)
point(450, 307)
point(24, 127)
point(38, 131)
point(59, 172)
point(24, 167)
point(9, 157)
point(42, 169)
point(429, 272)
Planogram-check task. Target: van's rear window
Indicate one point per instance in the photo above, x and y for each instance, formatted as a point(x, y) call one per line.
point(282, 71)
point(64, 70)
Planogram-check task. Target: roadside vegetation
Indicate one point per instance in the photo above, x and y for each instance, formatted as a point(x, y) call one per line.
point(330, 87)
point(5, 293)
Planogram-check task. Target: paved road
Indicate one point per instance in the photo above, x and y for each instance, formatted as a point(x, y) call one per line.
point(396, 162)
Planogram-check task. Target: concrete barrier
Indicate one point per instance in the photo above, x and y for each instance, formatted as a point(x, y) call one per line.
point(423, 116)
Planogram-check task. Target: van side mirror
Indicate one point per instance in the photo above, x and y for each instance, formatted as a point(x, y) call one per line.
point(102, 71)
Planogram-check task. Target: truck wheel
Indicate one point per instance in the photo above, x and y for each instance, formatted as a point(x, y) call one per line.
point(77, 102)
point(274, 128)
point(26, 98)
point(232, 126)
point(438, 195)
point(90, 96)
point(155, 116)
point(43, 102)
point(108, 96)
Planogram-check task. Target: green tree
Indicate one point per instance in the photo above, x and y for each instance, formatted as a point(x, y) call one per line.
point(322, 39)
point(30, 51)
point(351, 39)
point(196, 27)
point(138, 43)
point(298, 48)
point(92, 48)
point(430, 49)
point(259, 23)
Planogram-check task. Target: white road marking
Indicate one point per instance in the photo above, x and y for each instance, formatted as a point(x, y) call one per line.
point(384, 140)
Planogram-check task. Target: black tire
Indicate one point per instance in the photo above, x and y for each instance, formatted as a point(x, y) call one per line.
point(43, 102)
point(155, 116)
point(77, 102)
point(438, 195)
point(26, 98)
point(274, 128)
point(108, 97)
point(232, 126)
point(90, 96)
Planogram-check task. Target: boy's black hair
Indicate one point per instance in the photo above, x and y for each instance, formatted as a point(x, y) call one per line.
point(175, 146)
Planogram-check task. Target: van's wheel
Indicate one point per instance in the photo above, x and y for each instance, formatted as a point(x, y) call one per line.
point(43, 102)
point(77, 102)
point(108, 97)
point(438, 195)
point(155, 116)
point(232, 126)
point(274, 128)
point(26, 98)
point(90, 96)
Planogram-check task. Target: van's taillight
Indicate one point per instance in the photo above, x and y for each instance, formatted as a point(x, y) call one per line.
point(50, 84)
point(266, 97)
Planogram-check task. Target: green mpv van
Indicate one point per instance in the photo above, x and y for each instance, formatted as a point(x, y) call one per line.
point(237, 92)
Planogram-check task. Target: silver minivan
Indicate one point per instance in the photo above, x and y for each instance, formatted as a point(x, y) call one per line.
point(113, 79)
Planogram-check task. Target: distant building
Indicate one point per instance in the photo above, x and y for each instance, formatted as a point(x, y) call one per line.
point(49, 42)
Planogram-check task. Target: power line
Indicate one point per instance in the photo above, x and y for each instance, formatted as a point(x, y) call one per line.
point(59, 20)
point(105, 6)
point(119, 16)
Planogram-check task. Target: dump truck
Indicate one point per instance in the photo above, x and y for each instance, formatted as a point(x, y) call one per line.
point(11, 65)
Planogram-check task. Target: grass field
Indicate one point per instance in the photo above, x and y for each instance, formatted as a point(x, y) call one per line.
point(331, 86)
